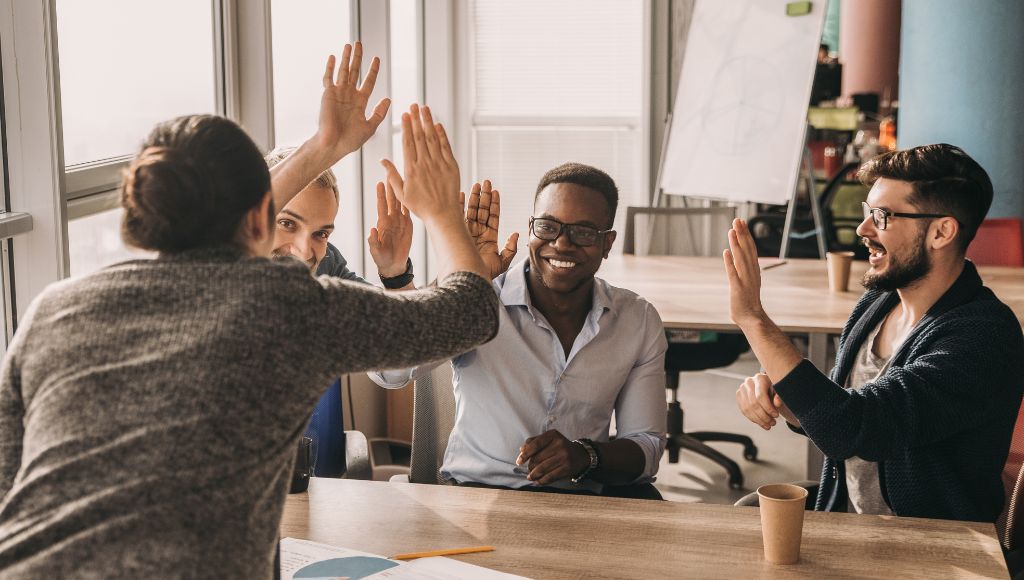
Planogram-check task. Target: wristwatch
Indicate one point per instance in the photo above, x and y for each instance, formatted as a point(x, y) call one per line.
point(401, 280)
point(595, 459)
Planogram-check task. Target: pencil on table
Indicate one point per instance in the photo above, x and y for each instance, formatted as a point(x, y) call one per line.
point(448, 552)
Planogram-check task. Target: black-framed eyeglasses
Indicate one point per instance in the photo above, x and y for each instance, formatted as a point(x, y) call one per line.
point(880, 216)
point(549, 229)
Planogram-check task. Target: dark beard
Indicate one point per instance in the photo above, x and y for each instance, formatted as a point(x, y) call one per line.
point(901, 274)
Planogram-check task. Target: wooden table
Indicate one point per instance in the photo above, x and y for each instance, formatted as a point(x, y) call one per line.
point(557, 536)
point(693, 293)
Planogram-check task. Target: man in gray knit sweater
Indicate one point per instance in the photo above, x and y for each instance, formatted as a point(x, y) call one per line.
point(149, 413)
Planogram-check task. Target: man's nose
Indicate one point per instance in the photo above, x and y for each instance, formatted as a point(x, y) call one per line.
point(867, 225)
point(562, 242)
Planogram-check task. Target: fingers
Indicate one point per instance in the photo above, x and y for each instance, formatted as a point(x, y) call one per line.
point(382, 203)
point(394, 178)
point(344, 64)
point(764, 392)
point(371, 78)
point(509, 253)
point(473, 208)
point(446, 147)
point(549, 471)
point(483, 215)
point(494, 209)
point(393, 205)
point(408, 142)
point(418, 138)
point(357, 61)
point(379, 113)
point(730, 268)
point(329, 73)
point(745, 400)
point(430, 137)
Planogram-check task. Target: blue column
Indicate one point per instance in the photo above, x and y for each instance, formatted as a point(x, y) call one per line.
point(962, 82)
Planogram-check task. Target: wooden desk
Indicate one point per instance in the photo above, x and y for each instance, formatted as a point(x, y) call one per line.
point(557, 536)
point(693, 293)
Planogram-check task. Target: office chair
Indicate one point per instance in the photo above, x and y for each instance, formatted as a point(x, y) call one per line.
point(699, 232)
point(841, 214)
point(433, 418)
point(337, 453)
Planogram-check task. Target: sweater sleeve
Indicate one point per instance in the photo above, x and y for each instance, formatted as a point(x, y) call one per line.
point(12, 410)
point(367, 329)
point(952, 381)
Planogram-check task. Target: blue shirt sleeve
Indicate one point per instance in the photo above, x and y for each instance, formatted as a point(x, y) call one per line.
point(334, 264)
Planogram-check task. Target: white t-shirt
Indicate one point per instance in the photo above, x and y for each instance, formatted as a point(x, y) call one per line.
point(863, 487)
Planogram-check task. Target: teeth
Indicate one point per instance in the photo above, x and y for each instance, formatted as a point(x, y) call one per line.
point(561, 264)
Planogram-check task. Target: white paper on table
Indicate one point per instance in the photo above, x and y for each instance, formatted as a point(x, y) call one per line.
point(439, 568)
point(297, 554)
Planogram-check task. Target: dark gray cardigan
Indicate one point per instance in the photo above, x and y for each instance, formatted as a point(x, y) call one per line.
point(938, 421)
point(150, 412)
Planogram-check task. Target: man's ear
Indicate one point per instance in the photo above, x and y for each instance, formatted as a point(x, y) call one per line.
point(609, 240)
point(943, 232)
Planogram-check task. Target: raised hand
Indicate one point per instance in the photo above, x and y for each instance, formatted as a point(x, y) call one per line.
point(343, 126)
point(391, 240)
point(430, 188)
point(482, 216)
point(744, 276)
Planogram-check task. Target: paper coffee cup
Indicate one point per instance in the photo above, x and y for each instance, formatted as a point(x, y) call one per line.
point(838, 270)
point(782, 521)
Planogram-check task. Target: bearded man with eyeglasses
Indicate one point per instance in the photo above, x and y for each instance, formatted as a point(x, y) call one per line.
point(917, 416)
point(534, 406)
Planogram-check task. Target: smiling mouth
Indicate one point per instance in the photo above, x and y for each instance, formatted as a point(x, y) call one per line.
point(874, 250)
point(561, 264)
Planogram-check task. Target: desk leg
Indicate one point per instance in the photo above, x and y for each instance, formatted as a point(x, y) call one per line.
point(817, 353)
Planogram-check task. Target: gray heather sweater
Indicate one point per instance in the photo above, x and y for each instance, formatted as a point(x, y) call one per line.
point(149, 413)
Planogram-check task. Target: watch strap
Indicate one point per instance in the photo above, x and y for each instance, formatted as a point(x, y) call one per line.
point(595, 459)
point(400, 281)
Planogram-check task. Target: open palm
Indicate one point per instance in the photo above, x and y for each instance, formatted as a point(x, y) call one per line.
point(343, 125)
point(482, 218)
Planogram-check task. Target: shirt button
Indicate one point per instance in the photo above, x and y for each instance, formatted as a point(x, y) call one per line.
point(551, 418)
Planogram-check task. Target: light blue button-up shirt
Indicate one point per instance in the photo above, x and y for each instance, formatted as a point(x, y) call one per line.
point(521, 384)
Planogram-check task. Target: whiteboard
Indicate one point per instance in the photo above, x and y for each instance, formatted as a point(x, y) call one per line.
point(740, 114)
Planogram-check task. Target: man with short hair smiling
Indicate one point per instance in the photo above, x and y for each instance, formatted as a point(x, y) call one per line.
point(534, 406)
point(304, 225)
point(917, 416)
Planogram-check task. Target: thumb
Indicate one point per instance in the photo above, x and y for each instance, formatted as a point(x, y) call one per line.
point(510, 250)
point(374, 238)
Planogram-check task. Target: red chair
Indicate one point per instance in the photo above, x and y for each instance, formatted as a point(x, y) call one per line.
point(998, 243)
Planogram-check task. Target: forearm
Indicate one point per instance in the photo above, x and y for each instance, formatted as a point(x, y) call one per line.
point(298, 170)
point(453, 247)
point(772, 347)
point(622, 462)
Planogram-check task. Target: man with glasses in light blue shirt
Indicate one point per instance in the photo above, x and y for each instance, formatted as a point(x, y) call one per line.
point(534, 406)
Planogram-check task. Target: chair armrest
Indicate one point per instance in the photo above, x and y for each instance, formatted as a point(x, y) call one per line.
point(357, 456)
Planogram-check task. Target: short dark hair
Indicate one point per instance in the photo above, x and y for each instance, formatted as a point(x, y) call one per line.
point(945, 180)
point(586, 176)
point(191, 185)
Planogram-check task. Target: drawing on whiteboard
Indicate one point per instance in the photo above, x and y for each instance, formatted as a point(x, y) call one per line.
point(749, 109)
point(739, 118)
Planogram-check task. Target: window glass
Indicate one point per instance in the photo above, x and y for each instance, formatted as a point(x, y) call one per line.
point(95, 241)
point(126, 65)
point(303, 35)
